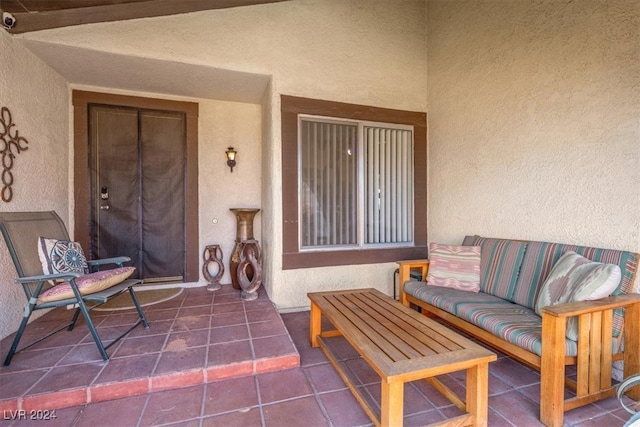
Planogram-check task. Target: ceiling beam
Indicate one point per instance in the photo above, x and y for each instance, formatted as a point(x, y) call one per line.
point(120, 11)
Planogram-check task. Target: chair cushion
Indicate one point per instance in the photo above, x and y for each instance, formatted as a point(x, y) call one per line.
point(87, 284)
point(456, 267)
point(576, 278)
point(61, 256)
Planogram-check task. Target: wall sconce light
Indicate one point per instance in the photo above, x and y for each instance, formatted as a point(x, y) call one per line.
point(231, 157)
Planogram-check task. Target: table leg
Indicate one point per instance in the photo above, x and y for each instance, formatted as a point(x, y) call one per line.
point(315, 326)
point(478, 393)
point(391, 403)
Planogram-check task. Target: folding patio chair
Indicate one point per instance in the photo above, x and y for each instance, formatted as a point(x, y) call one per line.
point(25, 233)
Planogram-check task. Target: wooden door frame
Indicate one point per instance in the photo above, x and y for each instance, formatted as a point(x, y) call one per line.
point(81, 173)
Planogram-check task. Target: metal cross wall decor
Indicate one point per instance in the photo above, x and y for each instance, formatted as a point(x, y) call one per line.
point(11, 144)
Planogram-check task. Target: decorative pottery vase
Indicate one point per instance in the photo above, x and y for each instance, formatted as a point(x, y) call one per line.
point(250, 264)
point(212, 255)
point(244, 232)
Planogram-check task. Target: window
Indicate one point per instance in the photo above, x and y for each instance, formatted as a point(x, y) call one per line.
point(354, 184)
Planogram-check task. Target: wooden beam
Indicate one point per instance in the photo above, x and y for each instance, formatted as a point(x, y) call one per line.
point(133, 9)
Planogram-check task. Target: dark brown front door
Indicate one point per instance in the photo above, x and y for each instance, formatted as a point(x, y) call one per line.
point(137, 168)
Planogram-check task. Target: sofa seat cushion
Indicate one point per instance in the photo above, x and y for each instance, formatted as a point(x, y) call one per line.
point(516, 324)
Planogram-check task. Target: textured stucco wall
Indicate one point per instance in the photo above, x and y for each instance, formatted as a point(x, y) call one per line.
point(38, 100)
point(370, 52)
point(534, 121)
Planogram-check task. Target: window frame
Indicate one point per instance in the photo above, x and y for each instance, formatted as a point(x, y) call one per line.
point(292, 256)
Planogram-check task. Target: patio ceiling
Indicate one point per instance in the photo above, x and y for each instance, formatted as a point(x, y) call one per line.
point(88, 67)
point(35, 15)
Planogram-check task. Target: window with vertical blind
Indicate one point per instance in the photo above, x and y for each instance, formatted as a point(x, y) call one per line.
point(356, 181)
point(353, 184)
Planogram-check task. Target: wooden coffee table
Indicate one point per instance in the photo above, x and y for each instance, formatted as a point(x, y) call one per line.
point(401, 345)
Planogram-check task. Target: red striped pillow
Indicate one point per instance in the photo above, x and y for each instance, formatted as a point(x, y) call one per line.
point(456, 267)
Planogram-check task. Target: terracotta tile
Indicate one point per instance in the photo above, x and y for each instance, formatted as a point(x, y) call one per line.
point(8, 405)
point(232, 352)
point(177, 380)
point(119, 319)
point(230, 395)
point(343, 409)
point(170, 406)
point(156, 327)
point(227, 298)
point(234, 370)
point(181, 359)
point(324, 378)
point(126, 368)
point(82, 353)
point(60, 339)
point(423, 418)
point(131, 346)
point(50, 417)
point(292, 412)
point(262, 315)
point(231, 307)
point(190, 323)
point(278, 363)
point(311, 356)
point(513, 373)
point(180, 340)
point(228, 334)
point(362, 371)
point(242, 418)
point(117, 390)
point(267, 329)
point(160, 315)
point(34, 359)
point(68, 377)
point(515, 406)
point(227, 319)
point(341, 348)
point(55, 400)
point(200, 310)
point(98, 413)
point(15, 384)
point(276, 386)
point(273, 346)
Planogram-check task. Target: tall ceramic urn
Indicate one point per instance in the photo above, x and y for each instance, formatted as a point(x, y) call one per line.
point(246, 254)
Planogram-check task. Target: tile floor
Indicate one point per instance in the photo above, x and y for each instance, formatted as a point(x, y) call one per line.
point(311, 394)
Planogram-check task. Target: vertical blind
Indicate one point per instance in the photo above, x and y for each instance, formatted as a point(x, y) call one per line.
point(331, 214)
point(329, 184)
point(388, 171)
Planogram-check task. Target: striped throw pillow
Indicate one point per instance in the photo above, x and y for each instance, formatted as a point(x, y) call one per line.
point(456, 267)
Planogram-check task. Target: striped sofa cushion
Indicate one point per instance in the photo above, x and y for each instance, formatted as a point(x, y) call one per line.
point(537, 263)
point(540, 257)
point(500, 261)
point(447, 299)
point(511, 322)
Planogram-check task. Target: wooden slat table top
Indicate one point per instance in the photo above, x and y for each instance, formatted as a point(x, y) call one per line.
point(395, 340)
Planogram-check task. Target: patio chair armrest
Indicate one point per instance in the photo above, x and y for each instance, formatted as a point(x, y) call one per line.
point(45, 277)
point(119, 261)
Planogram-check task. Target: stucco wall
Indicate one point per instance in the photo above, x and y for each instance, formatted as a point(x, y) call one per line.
point(370, 52)
point(534, 121)
point(38, 100)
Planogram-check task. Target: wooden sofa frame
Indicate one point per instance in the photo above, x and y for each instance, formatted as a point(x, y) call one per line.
point(593, 362)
